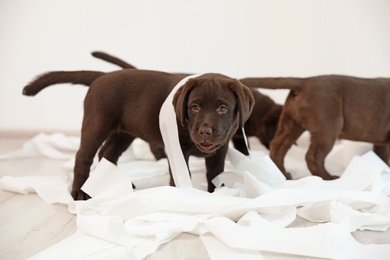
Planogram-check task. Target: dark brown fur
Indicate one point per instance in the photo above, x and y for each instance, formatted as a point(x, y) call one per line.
point(262, 123)
point(125, 104)
point(330, 107)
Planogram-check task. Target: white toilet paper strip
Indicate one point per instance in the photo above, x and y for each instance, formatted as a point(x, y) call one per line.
point(169, 132)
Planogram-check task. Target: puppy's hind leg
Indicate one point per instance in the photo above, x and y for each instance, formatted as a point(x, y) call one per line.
point(321, 144)
point(286, 135)
point(93, 134)
point(158, 152)
point(114, 146)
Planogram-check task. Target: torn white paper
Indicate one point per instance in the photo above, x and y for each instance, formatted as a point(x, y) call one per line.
point(136, 223)
point(98, 185)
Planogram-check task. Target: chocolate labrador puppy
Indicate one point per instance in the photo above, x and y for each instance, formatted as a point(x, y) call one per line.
point(330, 107)
point(123, 105)
point(262, 123)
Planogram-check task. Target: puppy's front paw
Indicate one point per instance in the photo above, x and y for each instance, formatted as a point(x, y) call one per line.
point(80, 195)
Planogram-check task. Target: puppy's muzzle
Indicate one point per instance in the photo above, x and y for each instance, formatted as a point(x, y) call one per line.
point(205, 140)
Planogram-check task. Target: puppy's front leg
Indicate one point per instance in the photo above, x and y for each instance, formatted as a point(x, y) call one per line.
point(114, 146)
point(215, 164)
point(93, 133)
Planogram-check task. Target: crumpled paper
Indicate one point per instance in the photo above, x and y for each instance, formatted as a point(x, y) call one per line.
point(136, 223)
point(140, 221)
point(55, 146)
point(251, 211)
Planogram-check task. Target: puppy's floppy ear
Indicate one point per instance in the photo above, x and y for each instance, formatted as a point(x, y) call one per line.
point(245, 100)
point(180, 100)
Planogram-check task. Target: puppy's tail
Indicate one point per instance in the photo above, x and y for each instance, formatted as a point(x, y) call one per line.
point(58, 77)
point(294, 84)
point(114, 60)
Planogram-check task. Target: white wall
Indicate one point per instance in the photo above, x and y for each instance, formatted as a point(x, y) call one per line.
point(237, 38)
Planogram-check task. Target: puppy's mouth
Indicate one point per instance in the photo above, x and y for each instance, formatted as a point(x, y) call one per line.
point(207, 147)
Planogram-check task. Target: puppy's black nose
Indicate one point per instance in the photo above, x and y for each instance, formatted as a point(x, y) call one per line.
point(205, 131)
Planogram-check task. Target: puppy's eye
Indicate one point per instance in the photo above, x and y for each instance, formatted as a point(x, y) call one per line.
point(222, 109)
point(195, 108)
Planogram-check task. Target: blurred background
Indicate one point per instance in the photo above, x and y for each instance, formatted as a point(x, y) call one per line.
point(251, 38)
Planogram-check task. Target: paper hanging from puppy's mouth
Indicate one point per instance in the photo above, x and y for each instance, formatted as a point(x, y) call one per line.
point(253, 210)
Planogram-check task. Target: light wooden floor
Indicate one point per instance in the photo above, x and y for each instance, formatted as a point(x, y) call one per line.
point(28, 225)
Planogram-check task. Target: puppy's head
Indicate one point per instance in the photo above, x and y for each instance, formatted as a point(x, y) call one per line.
point(212, 106)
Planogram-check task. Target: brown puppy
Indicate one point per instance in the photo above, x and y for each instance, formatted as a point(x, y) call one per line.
point(262, 123)
point(124, 105)
point(330, 107)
